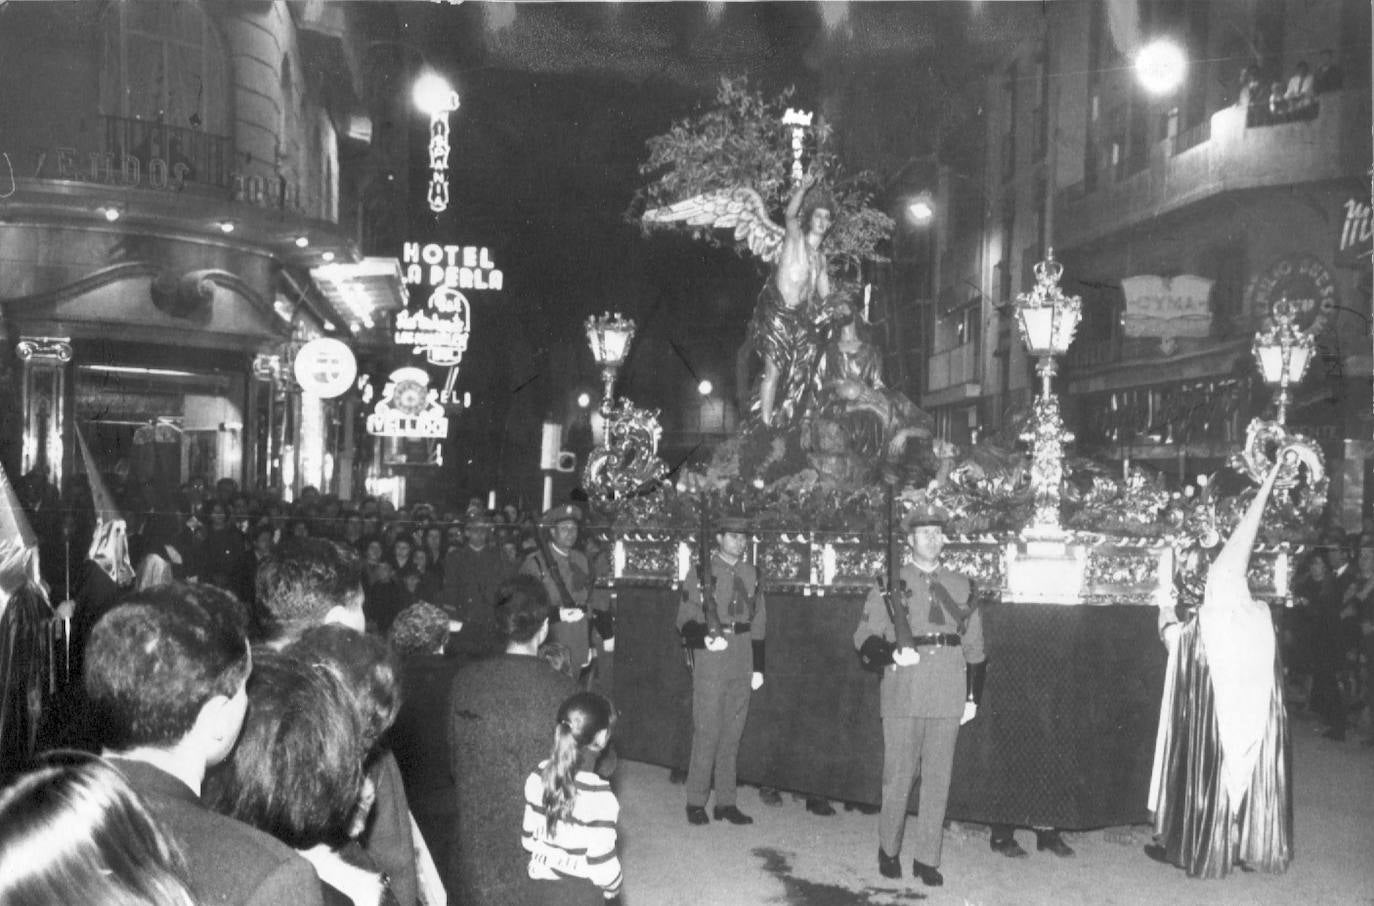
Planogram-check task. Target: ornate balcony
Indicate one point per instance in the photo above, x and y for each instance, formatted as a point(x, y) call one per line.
point(1225, 156)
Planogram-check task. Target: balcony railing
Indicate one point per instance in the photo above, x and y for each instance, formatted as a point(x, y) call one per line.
point(188, 155)
point(1193, 136)
point(1221, 155)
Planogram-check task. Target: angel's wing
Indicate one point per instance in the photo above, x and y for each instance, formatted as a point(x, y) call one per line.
point(740, 209)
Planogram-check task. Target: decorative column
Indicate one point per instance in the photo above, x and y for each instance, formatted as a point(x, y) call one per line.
point(43, 403)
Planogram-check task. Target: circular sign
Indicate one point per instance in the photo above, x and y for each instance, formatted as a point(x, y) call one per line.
point(1305, 282)
point(325, 367)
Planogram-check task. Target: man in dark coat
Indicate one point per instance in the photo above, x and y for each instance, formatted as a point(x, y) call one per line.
point(473, 573)
point(503, 710)
point(165, 673)
point(312, 582)
point(419, 737)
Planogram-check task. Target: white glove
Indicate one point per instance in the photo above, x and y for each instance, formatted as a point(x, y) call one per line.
point(455, 626)
point(65, 609)
point(716, 643)
point(756, 681)
point(571, 614)
point(1170, 634)
point(906, 657)
point(608, 646)
point(970, 712)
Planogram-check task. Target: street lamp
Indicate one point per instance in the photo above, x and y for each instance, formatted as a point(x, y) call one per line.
point(921, 209)
point(609, 337)
point(1047, 320)
point(1283, 353)
point(1160, 66)
point(433, 94)
point(626, 461)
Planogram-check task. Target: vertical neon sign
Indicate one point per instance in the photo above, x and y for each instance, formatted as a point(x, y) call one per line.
point(438, 152)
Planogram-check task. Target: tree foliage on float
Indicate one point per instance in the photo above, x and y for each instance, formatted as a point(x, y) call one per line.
point(741, 141)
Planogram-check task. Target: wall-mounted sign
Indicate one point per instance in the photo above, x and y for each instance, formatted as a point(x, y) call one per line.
point(439, 332)
point(409, 407)
point(459, 266)
point(438, 153)
point(1357, 234)
point(149, 172)
point(1301, 279)
point(325, 367)
point(1167, 306)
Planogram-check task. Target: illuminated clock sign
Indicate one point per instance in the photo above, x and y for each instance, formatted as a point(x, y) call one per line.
point(409, 407)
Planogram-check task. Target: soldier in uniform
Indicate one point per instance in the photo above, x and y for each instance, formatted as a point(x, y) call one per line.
point(927, 691)
point(567, 578)
point(727, 667)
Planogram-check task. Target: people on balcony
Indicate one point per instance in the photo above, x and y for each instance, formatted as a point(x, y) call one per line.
point(1329, 75)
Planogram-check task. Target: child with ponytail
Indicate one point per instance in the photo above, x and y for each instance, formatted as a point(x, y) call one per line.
point(571, 813)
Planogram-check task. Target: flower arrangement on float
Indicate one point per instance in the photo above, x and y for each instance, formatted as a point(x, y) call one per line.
point(1030, 524)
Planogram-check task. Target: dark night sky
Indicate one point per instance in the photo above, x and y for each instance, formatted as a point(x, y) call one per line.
point(558, 100)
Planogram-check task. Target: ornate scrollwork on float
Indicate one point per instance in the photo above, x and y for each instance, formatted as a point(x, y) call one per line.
point(628, 461)
point(1303, 468)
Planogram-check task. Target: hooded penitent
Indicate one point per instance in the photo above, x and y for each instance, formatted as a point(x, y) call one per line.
point(110, 542)
point(26, 679)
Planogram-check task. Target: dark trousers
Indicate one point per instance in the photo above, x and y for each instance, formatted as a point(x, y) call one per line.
point(720, 706)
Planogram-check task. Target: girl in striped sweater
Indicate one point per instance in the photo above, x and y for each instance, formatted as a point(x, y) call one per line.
point(570, 812)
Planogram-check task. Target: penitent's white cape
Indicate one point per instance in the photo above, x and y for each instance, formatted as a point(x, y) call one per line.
point(1238, 638)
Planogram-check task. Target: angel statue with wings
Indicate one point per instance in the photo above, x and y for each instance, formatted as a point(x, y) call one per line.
point(796, 303)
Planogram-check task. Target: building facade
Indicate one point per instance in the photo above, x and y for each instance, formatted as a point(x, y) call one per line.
point(174, 225)
point(1180, 218)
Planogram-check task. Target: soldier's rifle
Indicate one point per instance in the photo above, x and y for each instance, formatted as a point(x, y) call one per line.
point(889, 581)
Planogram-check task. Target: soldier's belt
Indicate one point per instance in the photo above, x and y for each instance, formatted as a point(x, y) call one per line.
point(733, 628)
point(950, 639)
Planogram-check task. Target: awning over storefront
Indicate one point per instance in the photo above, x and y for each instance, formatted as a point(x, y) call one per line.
point(360, 291)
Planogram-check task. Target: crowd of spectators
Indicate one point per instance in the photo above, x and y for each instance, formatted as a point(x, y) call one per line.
point(1268, 101)
point(277, 708)
point(1328, 637)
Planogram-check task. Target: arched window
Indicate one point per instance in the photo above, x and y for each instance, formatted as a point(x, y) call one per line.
point(165, 62)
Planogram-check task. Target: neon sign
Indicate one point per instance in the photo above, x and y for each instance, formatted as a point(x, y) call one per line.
point(461, 266)
point(438, 154)
point(440, 331)
point(409, 407)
